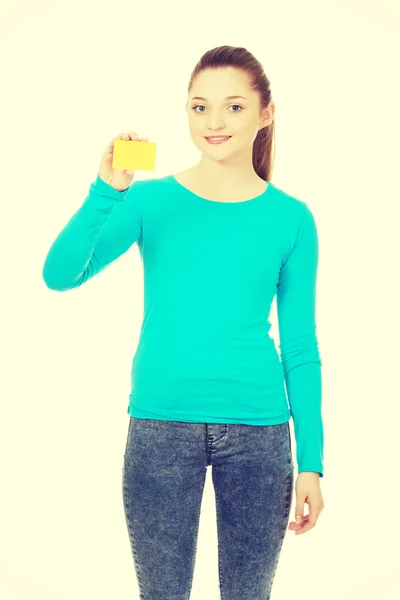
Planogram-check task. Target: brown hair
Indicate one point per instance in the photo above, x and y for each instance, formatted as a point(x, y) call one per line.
point(240, 58)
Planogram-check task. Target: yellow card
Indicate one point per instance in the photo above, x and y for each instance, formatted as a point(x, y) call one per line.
point(134, 155)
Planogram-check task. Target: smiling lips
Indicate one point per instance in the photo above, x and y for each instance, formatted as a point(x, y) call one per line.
point(217, 139)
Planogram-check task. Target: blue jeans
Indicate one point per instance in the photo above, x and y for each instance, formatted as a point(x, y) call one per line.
point(165, 465)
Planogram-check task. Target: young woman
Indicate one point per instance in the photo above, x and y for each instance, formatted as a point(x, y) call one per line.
point(218, 241)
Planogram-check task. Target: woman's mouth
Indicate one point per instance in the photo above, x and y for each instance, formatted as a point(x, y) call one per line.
point(218, 140)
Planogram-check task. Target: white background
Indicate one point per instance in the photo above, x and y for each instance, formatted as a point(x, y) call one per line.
point(76, 74)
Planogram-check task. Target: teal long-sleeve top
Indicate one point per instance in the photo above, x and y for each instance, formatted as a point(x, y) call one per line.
point(211, 271)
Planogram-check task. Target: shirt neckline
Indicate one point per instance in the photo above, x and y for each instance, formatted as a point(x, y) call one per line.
point(182, 187)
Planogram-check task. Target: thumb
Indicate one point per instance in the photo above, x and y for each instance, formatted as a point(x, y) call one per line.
point(299, 516)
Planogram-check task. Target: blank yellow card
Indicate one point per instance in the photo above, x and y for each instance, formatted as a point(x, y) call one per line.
point(134, 155)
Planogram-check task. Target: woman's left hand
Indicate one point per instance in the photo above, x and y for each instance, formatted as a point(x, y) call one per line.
point(308, 491)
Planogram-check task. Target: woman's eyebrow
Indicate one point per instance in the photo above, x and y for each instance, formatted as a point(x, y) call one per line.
point(227, 98)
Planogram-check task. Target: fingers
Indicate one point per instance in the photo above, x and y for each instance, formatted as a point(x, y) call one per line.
point(309, 521)
point(306, 527)
point(130, 135)
point(299, 526)
point(135, 136)
point(122, 136)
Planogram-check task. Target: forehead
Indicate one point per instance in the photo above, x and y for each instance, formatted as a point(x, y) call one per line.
point(221, 84)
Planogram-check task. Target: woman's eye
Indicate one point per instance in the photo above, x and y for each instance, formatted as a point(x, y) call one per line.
point(238, 105)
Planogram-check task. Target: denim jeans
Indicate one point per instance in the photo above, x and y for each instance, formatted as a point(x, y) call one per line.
point(164, 471)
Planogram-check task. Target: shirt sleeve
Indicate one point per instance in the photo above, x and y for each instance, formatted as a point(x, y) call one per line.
point(296, 306)
point(104, 228)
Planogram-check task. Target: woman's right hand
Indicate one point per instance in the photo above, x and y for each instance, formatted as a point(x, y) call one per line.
point(120, 179)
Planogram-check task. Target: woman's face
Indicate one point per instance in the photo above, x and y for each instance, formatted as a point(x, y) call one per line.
point(219, 115)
